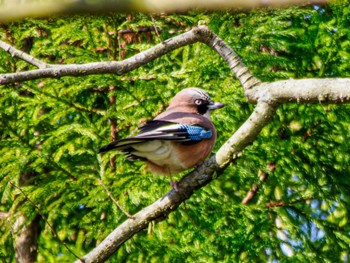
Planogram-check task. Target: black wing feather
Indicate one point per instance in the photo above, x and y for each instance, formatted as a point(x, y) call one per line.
point(150, 131)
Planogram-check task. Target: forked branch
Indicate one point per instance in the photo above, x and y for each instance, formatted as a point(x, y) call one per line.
point(197, 34)
point(303, 90)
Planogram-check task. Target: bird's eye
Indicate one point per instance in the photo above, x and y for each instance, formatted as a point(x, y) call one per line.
point(198, 102)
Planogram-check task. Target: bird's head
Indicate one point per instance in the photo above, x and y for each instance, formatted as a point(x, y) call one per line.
point(194, 100)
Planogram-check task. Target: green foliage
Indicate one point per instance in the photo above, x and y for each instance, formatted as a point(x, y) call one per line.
point(53, 128)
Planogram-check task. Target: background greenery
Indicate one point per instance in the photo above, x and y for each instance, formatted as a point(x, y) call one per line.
point(51, 130)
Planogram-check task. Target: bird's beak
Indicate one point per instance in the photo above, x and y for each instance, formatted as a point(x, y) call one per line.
point(215, 105)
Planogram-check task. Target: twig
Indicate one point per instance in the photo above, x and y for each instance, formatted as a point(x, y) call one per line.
point(275, 204)
point(115, 200)
point(310, 131)
point(255, 187)
point(156, 29)
point(46, 221)
point(113, 121)
point(250, 195)
point(141, 30)
point(24, 56)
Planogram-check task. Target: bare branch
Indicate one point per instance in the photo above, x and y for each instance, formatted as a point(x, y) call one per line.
point(275, 204)
point(113, 67)
point(186, 187)
point(303, 90)
point(22, 55)
point(310, 131)
point(197, 34)
point(255, 187)
point(235, 63)
point(326, 90)
point(11, 9)
point(142, 29)
point(251, 193)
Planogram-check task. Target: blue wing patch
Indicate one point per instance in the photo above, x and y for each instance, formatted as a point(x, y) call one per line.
point(196, 133)
point(166, 130)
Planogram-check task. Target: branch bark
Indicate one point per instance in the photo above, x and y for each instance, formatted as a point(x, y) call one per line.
point(22, 55)
point(255, 188)
point(326, 90)
point(198, 34)
point(303, 90)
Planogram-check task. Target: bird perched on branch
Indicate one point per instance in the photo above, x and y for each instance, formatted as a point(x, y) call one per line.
point(178, 139)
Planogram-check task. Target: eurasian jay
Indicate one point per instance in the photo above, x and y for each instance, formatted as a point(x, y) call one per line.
point(178, 139)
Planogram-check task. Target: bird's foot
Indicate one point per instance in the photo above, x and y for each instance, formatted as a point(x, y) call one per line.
point(175, 185)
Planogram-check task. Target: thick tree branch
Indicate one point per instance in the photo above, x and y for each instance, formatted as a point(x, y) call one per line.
point(198, 34)
point(304, 90)
point(113, 67)
point(235, 63)
point(11, 9)
point(200, 177)
point(328, 90)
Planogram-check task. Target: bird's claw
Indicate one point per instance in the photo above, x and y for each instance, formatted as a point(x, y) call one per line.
point(175, 185)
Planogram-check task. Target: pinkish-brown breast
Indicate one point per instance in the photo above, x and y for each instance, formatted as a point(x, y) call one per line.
point(185, 156)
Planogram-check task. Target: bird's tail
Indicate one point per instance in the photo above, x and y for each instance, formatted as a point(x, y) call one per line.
point(120, 144)
point(107, 148)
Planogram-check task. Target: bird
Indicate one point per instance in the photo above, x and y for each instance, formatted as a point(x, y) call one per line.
point(176, 140)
